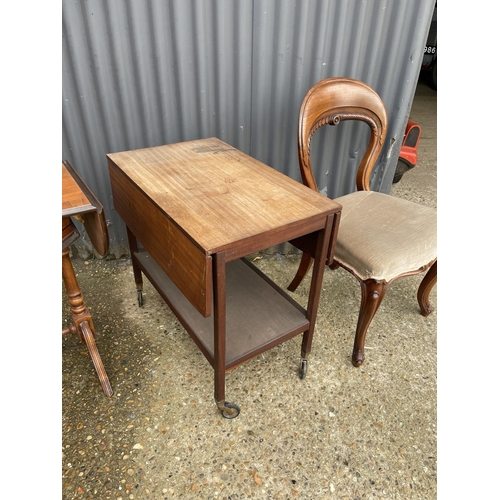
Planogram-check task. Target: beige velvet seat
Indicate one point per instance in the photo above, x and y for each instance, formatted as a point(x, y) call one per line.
point(381, 238)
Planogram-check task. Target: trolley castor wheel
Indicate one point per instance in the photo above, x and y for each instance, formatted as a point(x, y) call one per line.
point(303, 368)
point(228, 410)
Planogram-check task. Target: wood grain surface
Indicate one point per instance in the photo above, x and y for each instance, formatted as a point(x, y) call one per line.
point(221, 197)
point(74, 200)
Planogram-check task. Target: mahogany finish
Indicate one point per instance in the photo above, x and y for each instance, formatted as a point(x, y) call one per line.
point(331, 101)
point(193, 211)
point(424, 290)
point(79, 202)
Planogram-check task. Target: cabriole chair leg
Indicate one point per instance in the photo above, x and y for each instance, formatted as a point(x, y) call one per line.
point(372, 293)
point(424, 290)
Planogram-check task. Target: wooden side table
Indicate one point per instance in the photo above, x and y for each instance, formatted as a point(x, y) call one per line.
point(193, 211)
point(79, 202)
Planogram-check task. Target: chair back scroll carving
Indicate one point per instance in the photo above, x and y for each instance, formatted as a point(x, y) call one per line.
point(331, 101)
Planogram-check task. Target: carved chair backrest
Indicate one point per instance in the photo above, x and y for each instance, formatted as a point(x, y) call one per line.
point(331, 101)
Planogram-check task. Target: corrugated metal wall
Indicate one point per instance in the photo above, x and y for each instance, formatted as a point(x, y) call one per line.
point(144, 73)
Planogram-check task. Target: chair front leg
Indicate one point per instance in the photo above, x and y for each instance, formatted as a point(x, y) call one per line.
point(304, 266)
point(424, 290)
point(334, 265)
point(372, 293)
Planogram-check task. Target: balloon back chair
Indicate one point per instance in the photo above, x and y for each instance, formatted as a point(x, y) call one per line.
point(381, 238)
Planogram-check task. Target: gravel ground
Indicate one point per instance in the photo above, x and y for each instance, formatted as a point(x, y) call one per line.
point(341, 433)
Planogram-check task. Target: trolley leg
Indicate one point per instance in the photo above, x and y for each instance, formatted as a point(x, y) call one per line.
point(303, 365)
point(132, 242)
point(228, 410)
point(314, 293)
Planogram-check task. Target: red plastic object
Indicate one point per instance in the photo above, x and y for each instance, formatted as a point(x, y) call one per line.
point(408, 156)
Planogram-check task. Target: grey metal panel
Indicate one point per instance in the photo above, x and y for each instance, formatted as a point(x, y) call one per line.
point(138, 74)
point(298, 43)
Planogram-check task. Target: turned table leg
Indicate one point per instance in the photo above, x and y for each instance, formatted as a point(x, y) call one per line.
point(83, 325)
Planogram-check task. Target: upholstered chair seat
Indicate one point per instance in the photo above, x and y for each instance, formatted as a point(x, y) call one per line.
point(382, 237)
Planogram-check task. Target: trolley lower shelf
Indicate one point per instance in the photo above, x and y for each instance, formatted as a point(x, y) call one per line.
point(259, 314)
